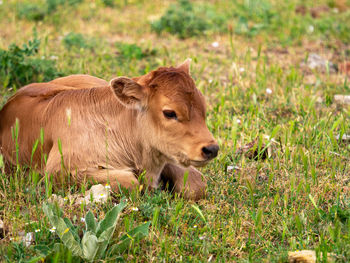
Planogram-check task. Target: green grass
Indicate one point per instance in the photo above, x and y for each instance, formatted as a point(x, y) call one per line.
point(298, 198)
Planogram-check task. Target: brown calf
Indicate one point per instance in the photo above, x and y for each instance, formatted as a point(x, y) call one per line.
point(111, 132)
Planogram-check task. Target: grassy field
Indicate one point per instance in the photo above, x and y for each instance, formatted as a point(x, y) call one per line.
point(250, 60)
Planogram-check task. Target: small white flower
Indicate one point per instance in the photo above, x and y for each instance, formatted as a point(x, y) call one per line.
point(201, 237)
point(241, 69)
point(53, 230)
point(267, 137)
point(82, 219)
point(134, 209)
point(195, 226)
point(102, 195)
point(107, 186)
point(310, 29)
point(215, 44)
point(53, 57)
point(210, 80)
point(268, 91)
point(238, 121)
point(37, 230)
point(65, 198)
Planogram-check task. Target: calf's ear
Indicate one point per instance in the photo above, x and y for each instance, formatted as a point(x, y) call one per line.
point(185, 66)
point(129, 92)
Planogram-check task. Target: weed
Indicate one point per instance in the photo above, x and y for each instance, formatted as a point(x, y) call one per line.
point(19, 66)
point(77, 40)
point(97, 236)
point(31, 12)
point(37, 12)
point(186, 20)
point(109, 3)
point(133, 51)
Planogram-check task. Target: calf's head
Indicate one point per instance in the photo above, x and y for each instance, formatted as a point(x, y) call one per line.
point(172, 113)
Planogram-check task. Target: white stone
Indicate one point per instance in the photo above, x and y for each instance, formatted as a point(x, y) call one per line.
point(98, 193)
point(231, 168)
point(344, 138)
point(342, 99)
point(316, 62)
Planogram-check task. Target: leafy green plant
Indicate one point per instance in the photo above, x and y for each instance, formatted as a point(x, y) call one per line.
point(185, 20)
point(133, 51)
point(37, 12)
point(112, 3)
point(76, 40)
point(97, 236)
point(31, 11)
point(19, 66)
point(52, 5)
point(109, 3)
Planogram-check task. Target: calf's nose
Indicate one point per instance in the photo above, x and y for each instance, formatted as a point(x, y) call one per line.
point(210, 151)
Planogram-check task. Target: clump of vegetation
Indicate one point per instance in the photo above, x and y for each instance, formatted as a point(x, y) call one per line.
point(285, 21)
point(37, 12)
point(133, 51)
point(185, 20)
point(109, 3)
point(19, 66)
point(97, 235)
point(112, 3)
point(252, 17)
point(77, 40)
point(52, 5)
point(32, 12)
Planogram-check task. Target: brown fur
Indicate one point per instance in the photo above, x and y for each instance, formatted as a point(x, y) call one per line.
point(112, 131)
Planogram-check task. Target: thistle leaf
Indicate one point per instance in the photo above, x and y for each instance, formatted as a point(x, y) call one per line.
point(63, 231)
point(90, 246)
point(110, 219)
point(90, 222)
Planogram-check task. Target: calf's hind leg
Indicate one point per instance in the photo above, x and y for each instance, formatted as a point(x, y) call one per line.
point(196, 183)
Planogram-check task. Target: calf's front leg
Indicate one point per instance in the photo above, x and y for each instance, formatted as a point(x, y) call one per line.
point(196, 183)
point(115, 178)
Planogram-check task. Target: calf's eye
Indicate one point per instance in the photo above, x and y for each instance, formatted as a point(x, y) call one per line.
point(170, 114)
